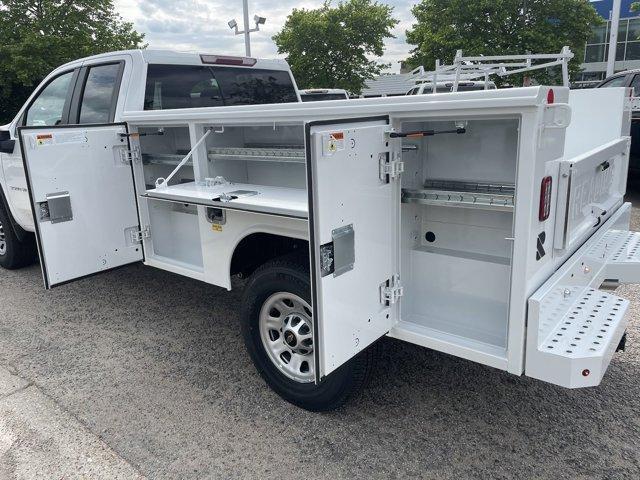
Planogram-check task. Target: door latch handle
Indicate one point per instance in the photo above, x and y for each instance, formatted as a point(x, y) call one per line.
point(604, 165)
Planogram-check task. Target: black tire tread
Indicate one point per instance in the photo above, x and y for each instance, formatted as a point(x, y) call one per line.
point(350, 378)
point(19, 254)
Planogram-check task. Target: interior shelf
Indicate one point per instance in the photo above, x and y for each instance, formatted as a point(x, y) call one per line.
point(290, 153)
point(285, 201)
point(485, 196)
point(164, 159)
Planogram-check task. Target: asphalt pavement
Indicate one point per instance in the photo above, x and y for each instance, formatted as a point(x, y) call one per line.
point(141, 373)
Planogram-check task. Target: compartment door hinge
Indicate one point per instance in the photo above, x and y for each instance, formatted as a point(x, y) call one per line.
point(391, 165)
point(130, 155)
point(391, 291)
point(138, 235)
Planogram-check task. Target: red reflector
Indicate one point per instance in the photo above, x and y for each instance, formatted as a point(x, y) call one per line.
point(545, 199)
point(224, 60)
point(551, 97)
point(585, 372)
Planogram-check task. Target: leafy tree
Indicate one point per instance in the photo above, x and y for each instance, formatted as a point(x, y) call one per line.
point(38, 35)
point(501, 27)
point(330, 47)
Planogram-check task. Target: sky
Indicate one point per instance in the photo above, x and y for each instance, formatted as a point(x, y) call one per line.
point(201, 25)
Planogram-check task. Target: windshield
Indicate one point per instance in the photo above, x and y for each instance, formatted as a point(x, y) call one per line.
point(192, 86)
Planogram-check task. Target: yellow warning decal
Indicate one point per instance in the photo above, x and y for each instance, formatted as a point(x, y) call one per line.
point(44, 139)
point(216, 228)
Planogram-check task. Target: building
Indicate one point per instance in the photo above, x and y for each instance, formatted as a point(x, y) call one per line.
point(628, 48)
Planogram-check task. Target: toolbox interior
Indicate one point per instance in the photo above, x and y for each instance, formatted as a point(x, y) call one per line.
point(458, 195)
point(457, 224)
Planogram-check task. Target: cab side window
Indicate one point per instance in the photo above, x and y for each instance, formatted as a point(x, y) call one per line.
point(100, 94)
point(636, 86)
point(48, 108)
point(615, 82)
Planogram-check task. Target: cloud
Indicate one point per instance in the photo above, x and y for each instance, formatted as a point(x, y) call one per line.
point(201, 25)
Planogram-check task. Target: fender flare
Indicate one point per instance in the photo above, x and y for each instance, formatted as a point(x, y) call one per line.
point(21, 233)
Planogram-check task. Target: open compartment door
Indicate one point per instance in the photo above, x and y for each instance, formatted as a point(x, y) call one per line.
point(82, 193)
point(353, 184)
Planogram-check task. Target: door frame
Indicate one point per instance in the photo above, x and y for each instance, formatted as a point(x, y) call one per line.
point(36, 225)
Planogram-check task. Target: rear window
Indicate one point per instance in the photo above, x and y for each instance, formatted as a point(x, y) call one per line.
point(192, 86)
point(316, 97)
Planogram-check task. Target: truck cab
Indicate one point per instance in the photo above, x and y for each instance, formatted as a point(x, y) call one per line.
point(98, 89)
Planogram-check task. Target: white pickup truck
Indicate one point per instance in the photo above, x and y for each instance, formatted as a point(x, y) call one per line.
point(489, 225)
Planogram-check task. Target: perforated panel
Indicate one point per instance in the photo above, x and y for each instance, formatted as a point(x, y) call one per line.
point(587, 326)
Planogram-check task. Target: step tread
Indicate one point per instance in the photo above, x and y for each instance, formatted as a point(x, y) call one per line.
point(587, 325)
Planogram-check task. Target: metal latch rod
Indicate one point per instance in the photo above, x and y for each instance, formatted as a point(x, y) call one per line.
point(163, 182)
point(160, 132)
point(426, 133)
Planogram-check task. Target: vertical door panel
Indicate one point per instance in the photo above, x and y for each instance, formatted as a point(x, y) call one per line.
point(83, 199)
point(353, 222)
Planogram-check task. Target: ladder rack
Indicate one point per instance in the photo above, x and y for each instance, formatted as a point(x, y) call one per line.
point(482, 67)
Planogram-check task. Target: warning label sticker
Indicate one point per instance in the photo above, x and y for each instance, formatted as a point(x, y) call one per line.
point(44, 139)
point(333, 142)
point(47, 139)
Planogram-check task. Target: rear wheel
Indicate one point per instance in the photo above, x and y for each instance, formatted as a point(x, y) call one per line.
point(277, 326)
point(14, 253)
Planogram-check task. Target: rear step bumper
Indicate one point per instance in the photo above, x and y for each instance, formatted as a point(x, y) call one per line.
point(574, 328)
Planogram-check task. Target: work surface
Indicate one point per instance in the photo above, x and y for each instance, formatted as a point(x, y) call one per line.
point(143, 373)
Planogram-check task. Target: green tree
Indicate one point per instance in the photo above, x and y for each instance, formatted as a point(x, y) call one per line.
point(38, 35)
point(500, 27)
point(331, 47)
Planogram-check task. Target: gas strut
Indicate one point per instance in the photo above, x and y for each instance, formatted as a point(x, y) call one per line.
point(425, 133)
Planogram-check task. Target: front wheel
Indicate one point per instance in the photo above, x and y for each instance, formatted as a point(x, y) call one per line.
point(277, 326)
point(13, 252)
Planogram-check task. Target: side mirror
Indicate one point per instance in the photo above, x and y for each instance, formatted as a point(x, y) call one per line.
point(7, 146)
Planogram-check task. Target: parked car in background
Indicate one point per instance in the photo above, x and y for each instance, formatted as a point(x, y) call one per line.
point(630, 78)
point(321, 94)
point(446, 87)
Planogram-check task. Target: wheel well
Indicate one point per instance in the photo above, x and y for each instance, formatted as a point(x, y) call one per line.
point(17, 229)
point(258, 248)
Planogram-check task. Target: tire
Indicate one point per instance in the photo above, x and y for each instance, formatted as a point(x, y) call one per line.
point(14, 254)
point(290, 276)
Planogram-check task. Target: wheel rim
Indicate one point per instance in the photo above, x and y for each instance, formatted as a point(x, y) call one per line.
point(3, 240)
point(286, 330)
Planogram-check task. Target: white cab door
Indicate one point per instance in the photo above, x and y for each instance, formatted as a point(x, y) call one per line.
point(353, 221)
point(82, 194)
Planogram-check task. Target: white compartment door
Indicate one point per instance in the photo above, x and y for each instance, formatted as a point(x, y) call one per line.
point(353, 220)
point(82, 193)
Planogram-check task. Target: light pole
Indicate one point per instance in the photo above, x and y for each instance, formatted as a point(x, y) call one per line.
point(613, 38)
point(247, 31)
